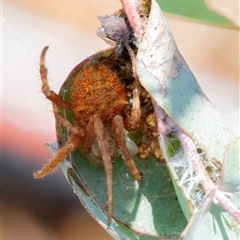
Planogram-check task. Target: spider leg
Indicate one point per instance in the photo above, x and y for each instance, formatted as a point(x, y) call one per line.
point(89, 136)
point(62, 153)
point(51, 95)
point(60, 119)
point(107, 161)
point(119, 135)
point(136, 111)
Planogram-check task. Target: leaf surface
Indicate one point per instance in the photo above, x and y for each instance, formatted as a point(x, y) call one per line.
point(141, 210)
point(176, 93)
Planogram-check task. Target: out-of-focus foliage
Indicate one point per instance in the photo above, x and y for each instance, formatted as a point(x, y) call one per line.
point(195, 10)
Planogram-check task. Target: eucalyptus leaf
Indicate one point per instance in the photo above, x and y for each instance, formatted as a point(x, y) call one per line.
point(141, 210)
point(230, 181)
point(179, 100)
point(209, 221)
point(167, 77)
point(158, 206)
point(148, 208)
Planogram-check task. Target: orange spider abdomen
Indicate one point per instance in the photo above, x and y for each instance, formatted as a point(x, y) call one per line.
point(97, 90)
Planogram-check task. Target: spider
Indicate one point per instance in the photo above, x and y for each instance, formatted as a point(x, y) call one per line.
point(98, 101)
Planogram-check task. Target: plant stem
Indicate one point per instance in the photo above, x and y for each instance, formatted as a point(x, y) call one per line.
point(165, 123)
point(207, 184)
point(131, 9)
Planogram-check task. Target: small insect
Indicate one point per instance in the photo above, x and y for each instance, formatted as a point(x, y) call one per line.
point(98, 101)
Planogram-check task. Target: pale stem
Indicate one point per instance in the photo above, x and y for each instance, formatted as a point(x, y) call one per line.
point(207, 184)
point(131, 9)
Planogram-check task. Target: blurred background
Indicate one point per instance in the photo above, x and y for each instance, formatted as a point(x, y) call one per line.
point(48, 209)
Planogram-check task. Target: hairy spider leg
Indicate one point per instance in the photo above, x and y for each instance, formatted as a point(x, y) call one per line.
point(89, 136)
point(74, 139)
point(62, 153)
point(136, 111)
point(119, 136)
point(51, 95)
point(60, 119)
point(107, 161)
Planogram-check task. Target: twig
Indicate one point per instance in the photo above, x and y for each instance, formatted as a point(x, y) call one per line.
point(165, 123)
point(207, 184)
point(131, 9)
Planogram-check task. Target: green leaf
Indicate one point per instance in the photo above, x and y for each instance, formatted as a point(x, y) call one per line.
point(158, 206)
point(141, 210)
point(209, 221)
point(195, 10)
point(173, 145)
point(135, 136)
point(146, 209)
point(181, 105)
point(149, 207)
point(166, 76)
